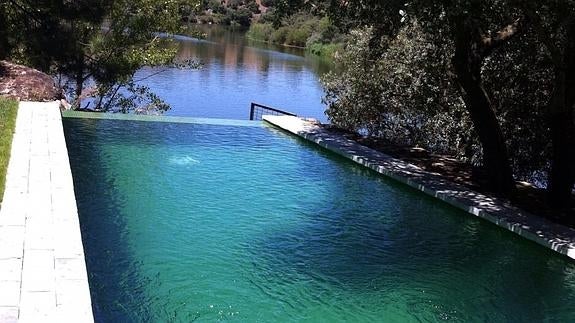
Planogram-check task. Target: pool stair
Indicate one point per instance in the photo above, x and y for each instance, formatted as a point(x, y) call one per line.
point(43, 274)
point(554, 236)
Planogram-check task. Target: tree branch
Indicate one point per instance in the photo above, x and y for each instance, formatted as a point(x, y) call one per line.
point(543, 35)
point(151, 75)
point(500, 37)
point(27, 12)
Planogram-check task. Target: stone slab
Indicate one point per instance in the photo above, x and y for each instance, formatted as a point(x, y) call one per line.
point(43, 274)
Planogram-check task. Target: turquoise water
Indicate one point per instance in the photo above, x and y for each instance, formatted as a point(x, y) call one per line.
point(203, 222)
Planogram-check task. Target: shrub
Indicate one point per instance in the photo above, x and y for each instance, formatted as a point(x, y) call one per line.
point(216, 6)
point(279, 35)
point(241, 17)
point(253, 7)
point(394, 95)
point(324, 50)
point(261, 32)
point(268, 17)
point(298, 36)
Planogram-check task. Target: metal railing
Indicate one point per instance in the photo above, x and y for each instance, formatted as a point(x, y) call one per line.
point(258, 110)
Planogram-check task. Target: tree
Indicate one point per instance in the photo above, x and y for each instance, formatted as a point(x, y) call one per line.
point(395, 96)
point(284, 8)
point(554, 24)
point(96, 44)
point(472, 47)
point(466, 24)
point(42, 33)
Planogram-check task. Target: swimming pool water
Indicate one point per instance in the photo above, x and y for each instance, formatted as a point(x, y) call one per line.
point(203, 222)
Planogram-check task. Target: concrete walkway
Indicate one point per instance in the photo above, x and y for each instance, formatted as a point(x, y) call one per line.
point(553, 236)
point(42, 268)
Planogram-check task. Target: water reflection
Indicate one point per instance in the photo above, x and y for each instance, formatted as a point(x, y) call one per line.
point(236, 72)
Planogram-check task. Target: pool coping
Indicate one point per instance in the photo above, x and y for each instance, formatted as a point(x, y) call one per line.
point(554, 236)
point(159, 118)
point(43, 276)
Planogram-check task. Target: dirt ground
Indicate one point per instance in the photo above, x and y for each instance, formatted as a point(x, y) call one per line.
point(26, 84)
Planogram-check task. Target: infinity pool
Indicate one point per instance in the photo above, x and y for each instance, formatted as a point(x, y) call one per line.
point(211, 222)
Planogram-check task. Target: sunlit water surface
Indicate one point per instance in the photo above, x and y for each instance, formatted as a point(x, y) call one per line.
point(236, 72)
point(203, 222)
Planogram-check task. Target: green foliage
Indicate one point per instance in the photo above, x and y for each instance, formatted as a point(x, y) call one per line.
point(300, 28)
point(397, 80)
point(279, 36)
point(8, 111)
point(217, 7)
point(253, 7)
point(395, 95)
point(240, 17)
point(328, 51)
point(135, 98)
point(129, 43)
point(74, 40)
point(319, 36)
point(519, 85)
point(37, 34)
point(232, 13)
point(298, 36)
point(261, 32)
point(193, 31)
point(287, 9)
point(326, 31)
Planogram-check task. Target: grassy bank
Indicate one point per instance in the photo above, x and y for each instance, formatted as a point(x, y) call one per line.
point(318, 36)
point(8, 110)
point(324, 50)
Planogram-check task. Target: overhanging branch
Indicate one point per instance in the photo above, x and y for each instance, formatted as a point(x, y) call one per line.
point(500, 37)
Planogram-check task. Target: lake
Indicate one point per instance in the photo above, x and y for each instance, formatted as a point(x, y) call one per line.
point(235, 72)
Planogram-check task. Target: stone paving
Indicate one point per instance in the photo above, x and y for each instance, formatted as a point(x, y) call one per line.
point(498, 211)
point(42, 268)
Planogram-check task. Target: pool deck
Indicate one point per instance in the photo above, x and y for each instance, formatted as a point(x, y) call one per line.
point(498, 211)
point(42, 267)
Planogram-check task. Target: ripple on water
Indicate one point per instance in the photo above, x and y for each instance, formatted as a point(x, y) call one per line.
point(200, 222)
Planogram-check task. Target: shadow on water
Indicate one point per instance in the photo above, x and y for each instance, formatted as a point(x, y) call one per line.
point(123, 289)
point(104, 232)
point(440, 259)
point(329, 235)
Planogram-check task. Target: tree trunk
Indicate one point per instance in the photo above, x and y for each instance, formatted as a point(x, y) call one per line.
point(79, 79)
point(467, 62)
point(562, 176)
point(560, 44)
point(562, 124)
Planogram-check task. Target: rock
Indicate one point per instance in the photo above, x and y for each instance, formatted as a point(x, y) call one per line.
point(64, 105)
point(27, 84)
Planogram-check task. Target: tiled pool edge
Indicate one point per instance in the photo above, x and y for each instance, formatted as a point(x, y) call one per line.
point(43, 274)
point(553, 236)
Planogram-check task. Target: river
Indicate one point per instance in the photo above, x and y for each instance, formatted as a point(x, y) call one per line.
point(236, 71)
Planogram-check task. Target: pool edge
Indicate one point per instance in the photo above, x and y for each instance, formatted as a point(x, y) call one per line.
point(554, 236)
point(41, 247)
point(159, 118)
